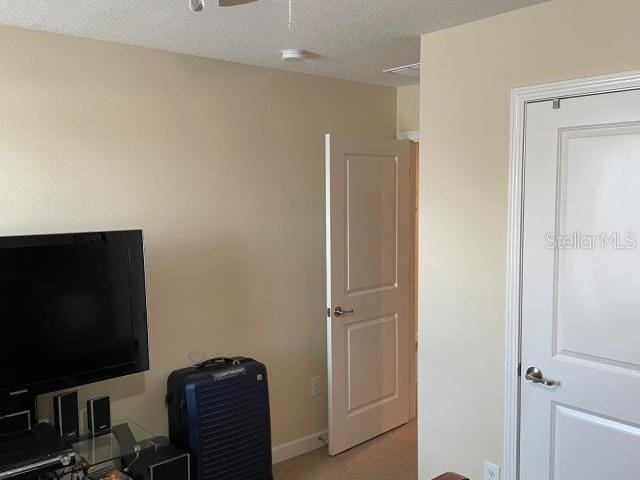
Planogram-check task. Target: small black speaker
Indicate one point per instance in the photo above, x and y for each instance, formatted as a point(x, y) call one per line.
point(99, 415)
point(165, 461)
point(17, 411)
point(171, 469)
point(65, 414)
point(15, 422)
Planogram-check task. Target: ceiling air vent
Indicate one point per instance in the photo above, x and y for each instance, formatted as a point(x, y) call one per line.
point(406, 70)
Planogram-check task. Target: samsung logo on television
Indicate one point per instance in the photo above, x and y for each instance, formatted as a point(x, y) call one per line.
point(18, 392)
point(229, 373)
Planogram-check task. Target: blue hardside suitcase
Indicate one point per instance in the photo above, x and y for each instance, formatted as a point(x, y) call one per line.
point(219, 411)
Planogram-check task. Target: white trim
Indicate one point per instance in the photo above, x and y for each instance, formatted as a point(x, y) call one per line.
point(327, 314)
point(512, 394)
point(519, 99)
point(299, 447)
point(413, 135)
point(403, 67)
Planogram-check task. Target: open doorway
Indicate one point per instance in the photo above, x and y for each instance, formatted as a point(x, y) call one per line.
point(371, 313)
point(397, 447)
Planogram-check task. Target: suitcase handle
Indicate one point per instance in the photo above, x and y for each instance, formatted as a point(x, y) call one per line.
point(219, 360)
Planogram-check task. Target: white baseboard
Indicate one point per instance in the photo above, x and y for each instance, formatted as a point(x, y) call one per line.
point(298, 447)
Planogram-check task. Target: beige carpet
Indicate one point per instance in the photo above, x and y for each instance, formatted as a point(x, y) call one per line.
point(392, 456)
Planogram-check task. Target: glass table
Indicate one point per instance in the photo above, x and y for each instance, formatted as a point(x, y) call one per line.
point(115, 449)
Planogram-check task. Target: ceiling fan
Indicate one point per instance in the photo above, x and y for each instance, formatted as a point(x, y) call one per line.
point(198, 5)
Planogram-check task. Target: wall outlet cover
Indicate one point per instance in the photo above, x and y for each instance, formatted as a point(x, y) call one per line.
point(316, 386)
point(491, 471)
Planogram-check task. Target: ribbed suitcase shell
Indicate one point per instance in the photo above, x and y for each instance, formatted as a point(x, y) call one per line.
point(219, 411)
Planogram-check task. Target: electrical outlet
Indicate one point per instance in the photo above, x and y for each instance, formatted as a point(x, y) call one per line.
point(491, 471)
point(316, 387)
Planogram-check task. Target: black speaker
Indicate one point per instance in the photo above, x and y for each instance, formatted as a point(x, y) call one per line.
point(17, 411)
point(163, 461)
point(99, 415)
point(171, 469)
point(15, 422)
point(65, 414)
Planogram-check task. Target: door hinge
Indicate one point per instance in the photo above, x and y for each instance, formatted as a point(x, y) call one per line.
point(520, 369)
point(556, 103)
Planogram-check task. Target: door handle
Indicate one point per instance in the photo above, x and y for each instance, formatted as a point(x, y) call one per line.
point(339, 312)
point(534, 375)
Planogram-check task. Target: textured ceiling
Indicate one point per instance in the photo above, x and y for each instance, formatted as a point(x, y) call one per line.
point(351, 39)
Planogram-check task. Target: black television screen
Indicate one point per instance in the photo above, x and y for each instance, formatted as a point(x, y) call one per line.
point(72, 309)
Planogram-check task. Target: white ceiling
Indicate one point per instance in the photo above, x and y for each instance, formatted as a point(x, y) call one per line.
point(350, 39)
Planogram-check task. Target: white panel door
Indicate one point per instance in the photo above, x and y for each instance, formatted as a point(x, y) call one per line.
point(368, 208)
point(581, 290)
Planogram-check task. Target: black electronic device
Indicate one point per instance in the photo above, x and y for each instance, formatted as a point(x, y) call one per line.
point(72, 310)
point(17, 412)
point(14, 422)
point(65, 414)
point(163, 461)
point(99, 415)
point(41, 450)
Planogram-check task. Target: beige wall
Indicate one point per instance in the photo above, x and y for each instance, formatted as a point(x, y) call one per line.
point(467, 75)
point(408, 108)
point(221, 164)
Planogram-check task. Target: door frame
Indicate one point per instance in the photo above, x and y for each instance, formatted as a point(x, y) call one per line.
point(520, 97)
point(414, 166)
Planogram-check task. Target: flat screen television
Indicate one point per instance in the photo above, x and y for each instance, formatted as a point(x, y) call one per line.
point(72, 310)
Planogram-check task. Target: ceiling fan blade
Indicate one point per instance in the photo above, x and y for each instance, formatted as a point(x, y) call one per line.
point(231, 3)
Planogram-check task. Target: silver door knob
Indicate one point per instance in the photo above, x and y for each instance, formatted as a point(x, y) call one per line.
point(534, 375)
point(339, 312)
